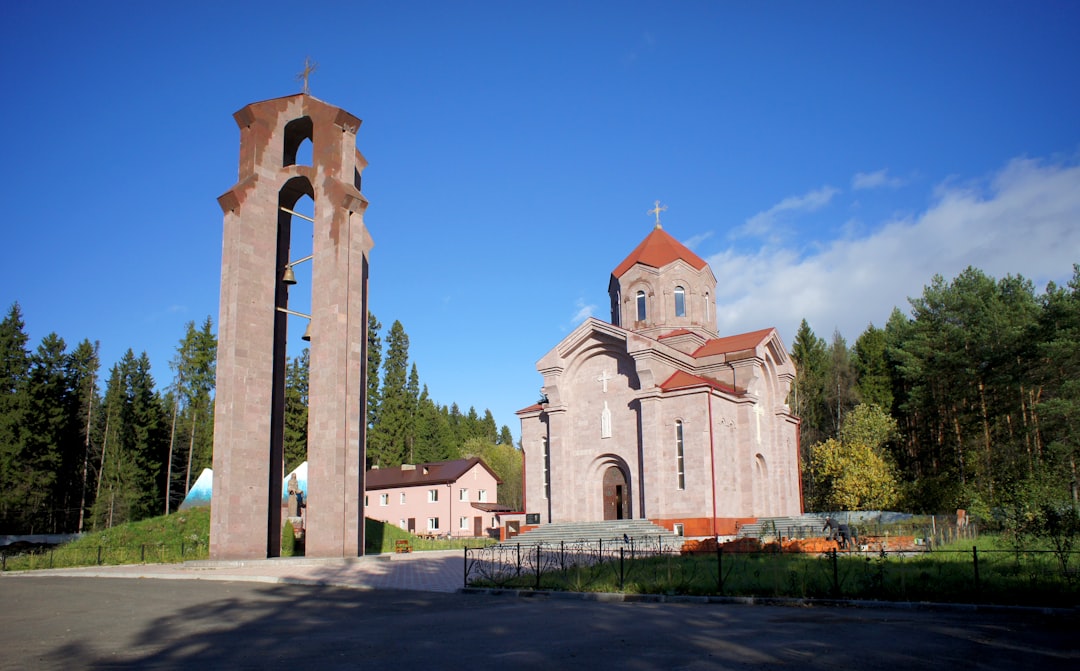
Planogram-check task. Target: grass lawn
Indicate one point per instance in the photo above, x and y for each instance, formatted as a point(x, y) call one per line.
point(185, 536)
point(994, 574)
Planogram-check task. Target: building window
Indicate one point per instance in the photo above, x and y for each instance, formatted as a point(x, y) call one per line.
point(481, 495)
point(463, 523)
point(547, 469)
point(463, 494)
point(708, 310)
point(679, 457)
point(641, 306)
point(679, 529)
point(401, 523)
point(384, 499)
point(680, 302)
point(432, 496)
point(433, 523)
point(402, 498)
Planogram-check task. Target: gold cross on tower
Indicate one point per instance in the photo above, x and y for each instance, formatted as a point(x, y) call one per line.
point(310, 66)
point(657, 210)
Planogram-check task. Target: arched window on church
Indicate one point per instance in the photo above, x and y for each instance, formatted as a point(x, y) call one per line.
point(680, 302)
point(641, 306)
point(680, 457)
point(708, 304)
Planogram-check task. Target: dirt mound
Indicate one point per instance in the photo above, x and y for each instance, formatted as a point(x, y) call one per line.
point(709, 545)
point(811, 545)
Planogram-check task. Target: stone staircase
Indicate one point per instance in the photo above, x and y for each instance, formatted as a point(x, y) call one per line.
point(771, 528)
point(606, 531)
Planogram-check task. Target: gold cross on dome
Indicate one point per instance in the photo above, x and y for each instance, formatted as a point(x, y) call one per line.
point(657, 210)
point(310, 66)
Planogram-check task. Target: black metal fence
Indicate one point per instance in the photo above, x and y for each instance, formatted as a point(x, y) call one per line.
point(1019, 577)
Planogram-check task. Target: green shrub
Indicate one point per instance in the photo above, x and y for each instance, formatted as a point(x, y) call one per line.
point(288, 540)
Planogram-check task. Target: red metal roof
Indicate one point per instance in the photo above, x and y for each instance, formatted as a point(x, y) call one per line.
point(436, 473)
point(735, 343)
point(683, 380)
point(672, 334)
point(656, 251)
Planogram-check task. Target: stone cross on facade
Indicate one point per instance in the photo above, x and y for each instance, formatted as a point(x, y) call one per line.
point(758, 412)
point(657, 210)
point(604, 377)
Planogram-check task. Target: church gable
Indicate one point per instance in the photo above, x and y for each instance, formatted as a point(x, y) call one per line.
point(683, 380)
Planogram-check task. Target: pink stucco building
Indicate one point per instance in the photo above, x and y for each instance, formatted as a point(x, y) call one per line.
point(455, 498)
point(654, 415)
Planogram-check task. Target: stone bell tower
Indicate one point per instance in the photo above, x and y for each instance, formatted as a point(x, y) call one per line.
point(256, 265)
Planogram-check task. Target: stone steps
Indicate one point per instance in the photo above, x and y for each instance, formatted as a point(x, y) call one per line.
point(771, 528)
point(605, 531)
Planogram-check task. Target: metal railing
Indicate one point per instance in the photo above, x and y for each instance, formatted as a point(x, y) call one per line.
point(1034, 577)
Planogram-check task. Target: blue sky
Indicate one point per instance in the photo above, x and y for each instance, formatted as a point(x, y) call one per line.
point(826, 158)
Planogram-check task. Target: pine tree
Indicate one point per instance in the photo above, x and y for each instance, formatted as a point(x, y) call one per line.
point(374, 393)
point(1054, 401)
point(505, 437)
point(488, 430)
point(14, 409)
point(53, 435)
point(84, 364)
point(840, 391)
point(134, 446)
point(195, 369)
point(395, 418)
point(412, 400)
point(808, 398)
point(873, 381)
point(296, 411)
point(434, 439)
point(116, 484)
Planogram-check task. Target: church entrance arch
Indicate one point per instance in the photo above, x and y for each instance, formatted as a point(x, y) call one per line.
point(616, 494)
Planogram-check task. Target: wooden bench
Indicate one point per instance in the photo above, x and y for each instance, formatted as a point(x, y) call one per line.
point(401, 546)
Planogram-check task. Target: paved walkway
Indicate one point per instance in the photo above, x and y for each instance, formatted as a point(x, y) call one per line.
point(63, 623)
point(434, 571)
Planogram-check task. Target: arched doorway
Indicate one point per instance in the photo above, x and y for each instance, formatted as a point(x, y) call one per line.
point(616, 494)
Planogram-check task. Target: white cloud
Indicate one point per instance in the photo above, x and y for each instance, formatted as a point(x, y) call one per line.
point(693, 242)
point(874, 180)
point(762, 223)
point(584, 311)
point(1023, 220)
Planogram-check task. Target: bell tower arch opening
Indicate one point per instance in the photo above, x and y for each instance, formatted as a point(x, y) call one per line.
point(297, 142)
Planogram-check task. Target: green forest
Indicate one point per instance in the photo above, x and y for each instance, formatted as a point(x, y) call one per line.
point(969, 400)
point(972, 401)
point(84, 450)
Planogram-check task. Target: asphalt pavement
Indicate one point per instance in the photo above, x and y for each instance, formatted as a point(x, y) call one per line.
point(406, 612)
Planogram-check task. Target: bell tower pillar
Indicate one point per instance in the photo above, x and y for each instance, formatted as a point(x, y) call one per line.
point(253, 332)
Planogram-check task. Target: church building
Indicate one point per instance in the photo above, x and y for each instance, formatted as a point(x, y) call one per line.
point(656, 416)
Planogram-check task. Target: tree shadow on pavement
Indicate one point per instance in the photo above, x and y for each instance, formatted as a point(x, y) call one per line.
point(207, 625)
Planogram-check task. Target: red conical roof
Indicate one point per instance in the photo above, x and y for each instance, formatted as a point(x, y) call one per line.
point(656, 251)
